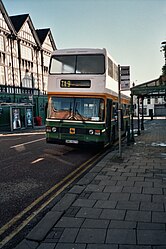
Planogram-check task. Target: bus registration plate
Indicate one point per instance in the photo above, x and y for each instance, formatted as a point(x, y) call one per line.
point(71, 141)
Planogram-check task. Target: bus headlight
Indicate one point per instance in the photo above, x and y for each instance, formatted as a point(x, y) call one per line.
point(53, 129)
point(91, 132)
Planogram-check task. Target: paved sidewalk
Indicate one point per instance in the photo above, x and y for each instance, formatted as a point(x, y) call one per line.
point(28, 130)
point(116, 205)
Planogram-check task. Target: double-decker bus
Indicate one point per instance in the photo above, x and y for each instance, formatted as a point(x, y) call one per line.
point(83, 98)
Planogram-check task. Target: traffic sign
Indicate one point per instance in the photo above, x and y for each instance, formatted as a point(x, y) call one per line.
point(125, 78)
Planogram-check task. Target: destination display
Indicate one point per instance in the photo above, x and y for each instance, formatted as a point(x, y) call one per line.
point(75, 83)
point(125, 78)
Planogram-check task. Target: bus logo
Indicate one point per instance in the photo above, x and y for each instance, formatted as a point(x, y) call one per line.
point(72, 131)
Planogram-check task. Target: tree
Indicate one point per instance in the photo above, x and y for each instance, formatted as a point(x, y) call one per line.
point(163, 48)
point(164, 70)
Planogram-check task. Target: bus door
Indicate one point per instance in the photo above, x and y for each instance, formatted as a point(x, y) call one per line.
point(108, 119)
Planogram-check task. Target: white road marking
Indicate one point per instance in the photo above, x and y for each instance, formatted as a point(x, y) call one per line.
point(37, 160)
point(30, 142)
point(22, 134)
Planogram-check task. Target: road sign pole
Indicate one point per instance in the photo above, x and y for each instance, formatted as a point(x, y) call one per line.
point(123, 84)
point(119, 111)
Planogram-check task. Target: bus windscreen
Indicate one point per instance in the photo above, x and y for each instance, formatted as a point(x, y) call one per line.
point(80, 109)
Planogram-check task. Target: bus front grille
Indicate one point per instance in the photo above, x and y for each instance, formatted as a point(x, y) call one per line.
point(66, 130)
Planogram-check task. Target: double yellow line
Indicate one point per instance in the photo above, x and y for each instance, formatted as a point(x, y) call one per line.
point(65, 183)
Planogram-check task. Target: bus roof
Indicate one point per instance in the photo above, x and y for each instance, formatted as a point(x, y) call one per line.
point(79, 50)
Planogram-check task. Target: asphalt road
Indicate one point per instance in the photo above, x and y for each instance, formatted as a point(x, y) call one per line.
point(29, 167)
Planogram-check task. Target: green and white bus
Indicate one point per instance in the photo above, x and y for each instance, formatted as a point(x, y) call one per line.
point(83, 98)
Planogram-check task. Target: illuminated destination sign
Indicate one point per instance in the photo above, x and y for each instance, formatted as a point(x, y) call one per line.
point(75, 84)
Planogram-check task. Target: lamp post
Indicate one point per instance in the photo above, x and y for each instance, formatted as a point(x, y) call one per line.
point(119, 111)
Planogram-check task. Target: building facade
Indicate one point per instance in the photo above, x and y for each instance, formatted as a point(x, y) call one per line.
point(151, 105)
point(150, 98)
point(24, 61)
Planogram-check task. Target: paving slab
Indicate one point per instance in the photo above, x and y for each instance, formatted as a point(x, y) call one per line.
point(152, 237)
point(123, 224)
point(95, 223)
point(64, 203)
point(102, 246)
point(87, 235)
point(105, 204)
point(69, 222)
point(47, 246)
point(92, 213)
point(121, 236)
point(84, 203)
point(159, 217)
point(113, 214)
point(26, 244)
point(70, 246)
point(136, 247)
point(133, 215)
point(69, 235)
point(44, 226)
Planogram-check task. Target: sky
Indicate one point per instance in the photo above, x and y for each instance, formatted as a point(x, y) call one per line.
point(131, 30)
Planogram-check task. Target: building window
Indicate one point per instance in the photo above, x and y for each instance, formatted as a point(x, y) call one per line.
point(110, 68)
point(156, 100)
point(148, 101)
point(2, 58)
point(115, 72)
point(45, 69)
point(2, 48)
point(26, 53)
point(46, 60)
point(2, 75)
point(27, 79)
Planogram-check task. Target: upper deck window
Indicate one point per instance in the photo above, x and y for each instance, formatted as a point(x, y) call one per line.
point(77, 64)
